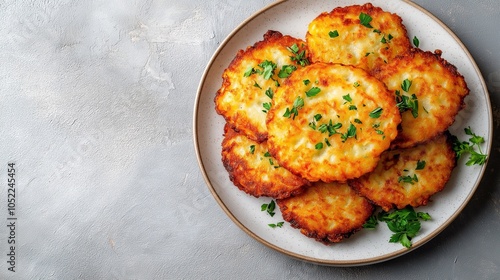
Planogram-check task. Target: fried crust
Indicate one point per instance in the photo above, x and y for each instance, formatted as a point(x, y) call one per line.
point(241, 98)
point(327, 212)
point(346, 99)
point(357, 44)
point(440, 90)
point(386, 187)
point(254, 171)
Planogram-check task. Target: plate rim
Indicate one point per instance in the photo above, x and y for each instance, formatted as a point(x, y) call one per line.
point(339, 263)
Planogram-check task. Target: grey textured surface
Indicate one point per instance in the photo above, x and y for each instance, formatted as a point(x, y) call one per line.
point(96, 103)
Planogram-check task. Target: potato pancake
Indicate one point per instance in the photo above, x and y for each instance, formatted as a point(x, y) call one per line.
point(430, 92)
point(327, 212)
point(363, 36)
point(254, 171)
point(251, 79)
point(409, 176)
point(331, 122)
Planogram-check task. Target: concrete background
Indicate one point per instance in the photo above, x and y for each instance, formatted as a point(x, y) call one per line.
point(96, 106)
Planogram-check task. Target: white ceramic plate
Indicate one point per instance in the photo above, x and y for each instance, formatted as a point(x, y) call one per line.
point(366, 247)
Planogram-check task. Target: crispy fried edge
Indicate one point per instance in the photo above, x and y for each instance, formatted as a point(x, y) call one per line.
point(255, 188)
point(327, 238)
point(423, 200)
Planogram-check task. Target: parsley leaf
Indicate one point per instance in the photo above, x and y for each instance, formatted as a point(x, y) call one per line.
point(286, 71)
point(406, 85)
point(267, 107)
point(299, 57)
point(270, 93)
point(351, 133)
point(376, 113)
point(404, 223)
point(269, 208)
point(252, 149)
point(279, 224)
point(297, 105)
point(476, 157)
point(405, 103)
point(330, 128)
point(249, 72)
point(365, 20)
point(408, 179)
point(420, 165)
point(268, 69)
point(318, 146)
point(347, 98)
point(333, 34)
point(371, 223)
point(416, 42)
point(313, 91)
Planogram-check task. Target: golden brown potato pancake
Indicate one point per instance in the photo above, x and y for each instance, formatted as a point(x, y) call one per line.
point(254, 171)
point(409, 176)
point(437, 86)
point(331, 122)
point(364, 36)
point(251, 79)
point(327, 212)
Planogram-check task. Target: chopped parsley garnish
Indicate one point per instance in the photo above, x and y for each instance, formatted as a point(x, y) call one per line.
point(377, 31)
point(358, 121)
point(256, 85)
point(412, 179)
point(365, 20)
point(318, 146)
point(327, 142)
point(404, 102)
point(420, 165)
point(353, 107)
point(469, 147)
point(252, 149)
point(249, 72)
point(333, 34)
point(313, 91)
point(408, 179)
point(297, 105)
point(270, 93)
point(299, 57)
point(268, 69)
point(277, 225)
point(312, 124)
point(347, 98)
point(404, 223)
point(269, 208)
point(267, 107)
point(405, 86)
point(351, 133)
point(416, 42)
point(388, 40)
point(286, 71)
point(330, 128)
point(306, 82)
point(356, 84)
point(378, 131)
point(376, 113)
